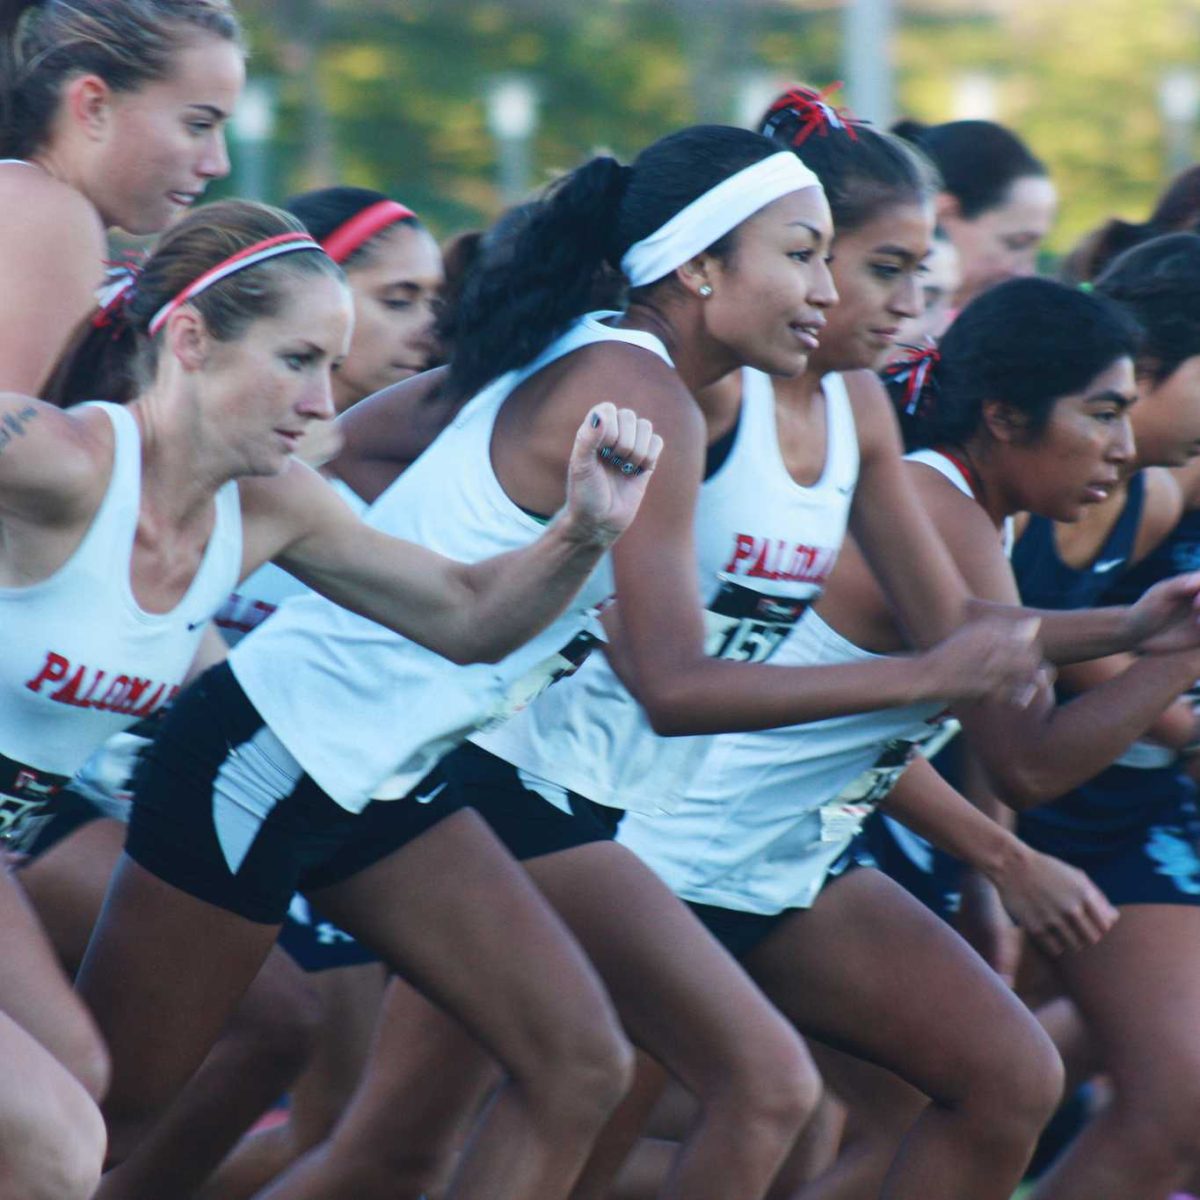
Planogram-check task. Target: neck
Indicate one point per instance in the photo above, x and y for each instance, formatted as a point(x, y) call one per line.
point(986, 479)
point(182, 467)
point(698, 360)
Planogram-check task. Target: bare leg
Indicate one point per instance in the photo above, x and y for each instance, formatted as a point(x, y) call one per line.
point(51, 1133)
point(350, 1000)
point(1139, 992)
point(480, 943)
point(816, 1149)
point(881, 1110)
point(266, 1044)
point(410, 1117)
point(36, 994)
point(685, 1001)
point(870, 970)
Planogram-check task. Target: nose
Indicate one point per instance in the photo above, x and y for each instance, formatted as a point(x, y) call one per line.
point(823, 292)
point(215, 162)
point(317, 401)
point(1123, 444)
point(908, 300)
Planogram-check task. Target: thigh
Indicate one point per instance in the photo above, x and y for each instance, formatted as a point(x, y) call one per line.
point(455, 914)
point(869, 970)
point(66, 885)
point(162, 975)
point(34, 991)
point(682, 997)
point(1138, 990)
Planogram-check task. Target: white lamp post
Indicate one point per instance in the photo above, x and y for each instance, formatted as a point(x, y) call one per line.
point(512, 117)
point(252, 127)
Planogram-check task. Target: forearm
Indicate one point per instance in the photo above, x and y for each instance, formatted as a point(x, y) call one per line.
point(513, 597)
point(711, 695)
point(1069, 743)
point(928, 805)
point(1074, 635)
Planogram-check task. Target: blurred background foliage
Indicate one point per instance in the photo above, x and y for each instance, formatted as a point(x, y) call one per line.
point(393, 94)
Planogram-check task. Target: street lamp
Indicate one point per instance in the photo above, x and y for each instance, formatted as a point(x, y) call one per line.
point(252, 127)
point(512, 117)
point(1179, 103)
point(867, 59)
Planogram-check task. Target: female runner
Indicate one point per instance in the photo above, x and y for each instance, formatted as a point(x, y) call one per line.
point(394, 270)
point(997, 204)
point(1133, 828)
point(702, 188)
point(110, 113)
point(565, 847)
point(193, 485)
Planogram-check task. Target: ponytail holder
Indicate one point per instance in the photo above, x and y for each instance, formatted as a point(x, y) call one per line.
point(114, 295)
point(351, 235)
point(913, 372)
point(814, 112)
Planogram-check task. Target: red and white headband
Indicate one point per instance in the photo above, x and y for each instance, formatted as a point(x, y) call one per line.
point(363, 226)
point(251, 256)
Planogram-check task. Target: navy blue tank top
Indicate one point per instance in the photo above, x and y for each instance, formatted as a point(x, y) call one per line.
point(1048, 582)
point(1097, 816)
point(1177, 553)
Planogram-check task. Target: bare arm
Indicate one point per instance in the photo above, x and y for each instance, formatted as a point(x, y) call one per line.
point(51, 253)
point(467, 612)
point(661, 652)
point(1057, 905)
point(388, 431)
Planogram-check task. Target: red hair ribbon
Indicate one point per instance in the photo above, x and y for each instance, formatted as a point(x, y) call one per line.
point(113, 295)
point(815, 113)
point(363, 226)
point(913, 371)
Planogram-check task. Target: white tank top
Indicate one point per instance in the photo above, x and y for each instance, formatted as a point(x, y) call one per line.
point(263, 592)
point(82, 660)
point(765, 546)
point(770, 811)
point(368, 713)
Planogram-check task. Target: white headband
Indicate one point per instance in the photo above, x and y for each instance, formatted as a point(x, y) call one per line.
point(709, 217)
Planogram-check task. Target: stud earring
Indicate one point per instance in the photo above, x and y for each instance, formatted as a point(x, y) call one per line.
point(705, 290)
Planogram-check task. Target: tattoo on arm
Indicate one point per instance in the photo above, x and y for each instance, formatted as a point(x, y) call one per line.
point(13, 425)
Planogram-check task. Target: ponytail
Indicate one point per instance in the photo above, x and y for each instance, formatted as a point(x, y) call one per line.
point(542, 266)
point(524, 290)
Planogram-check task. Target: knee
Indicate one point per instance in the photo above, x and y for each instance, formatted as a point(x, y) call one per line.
point(87, 1058)
point(1014, 1086)
point(60, 1155)
point(773, 1091)
point(279, 1030)
point(595, 1073)
point(1159, 1125)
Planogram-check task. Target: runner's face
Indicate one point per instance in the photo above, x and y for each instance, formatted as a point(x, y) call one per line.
point(1003, 242)
point(1083, 451)
point(877, 271)
point(940, 276)
point(396, 292)
point(1168, 418)
point(771, 293)
point(264, 390)
point(164, 143)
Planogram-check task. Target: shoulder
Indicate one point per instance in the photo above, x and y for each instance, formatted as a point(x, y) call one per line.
point(56, 219)
point(1162, 508)
point(54, 464)
point(874, 416)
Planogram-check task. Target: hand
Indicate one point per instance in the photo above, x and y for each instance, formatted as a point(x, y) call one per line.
point(614, 455)
point(986, 656)
point(987, 927)
point(1058, 906)
point(1167, 617)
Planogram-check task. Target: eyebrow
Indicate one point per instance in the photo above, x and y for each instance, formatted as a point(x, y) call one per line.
point(213, 111)
point(900, 252)
point(811, 228)
point(1111, 396)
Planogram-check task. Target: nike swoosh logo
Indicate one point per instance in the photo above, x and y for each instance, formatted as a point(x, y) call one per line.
point(429, 797)
point(1107, 565)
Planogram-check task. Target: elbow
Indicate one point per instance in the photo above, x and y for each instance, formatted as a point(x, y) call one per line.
point(669, 711)
point(1022, 786)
